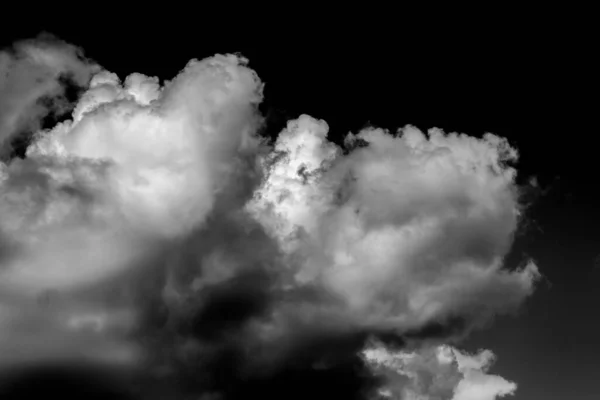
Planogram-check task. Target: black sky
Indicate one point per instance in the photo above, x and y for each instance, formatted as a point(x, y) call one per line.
point(528, 81)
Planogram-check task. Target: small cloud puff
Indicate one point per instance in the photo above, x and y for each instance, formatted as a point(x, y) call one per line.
point(436, 373)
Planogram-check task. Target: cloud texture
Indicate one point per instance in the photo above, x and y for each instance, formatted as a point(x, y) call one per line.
point(157, 231)
point(441, 372)
point(33, 78)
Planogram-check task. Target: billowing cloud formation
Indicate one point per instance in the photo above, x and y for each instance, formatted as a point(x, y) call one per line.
point(137, 167)
point(408, 229)
point(441, 372)
point(132, 164)
point(155, 230)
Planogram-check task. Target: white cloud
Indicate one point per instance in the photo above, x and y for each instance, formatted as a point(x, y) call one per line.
point(443, 372)
point(152, 168)
point(411, 228)
point(138, 167)
point(406, 230)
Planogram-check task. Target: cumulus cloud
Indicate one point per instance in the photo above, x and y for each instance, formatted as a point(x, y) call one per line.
point(124, 169)
point(138, 167)
point(155, 229)
point(407, 229)
point(441, 372)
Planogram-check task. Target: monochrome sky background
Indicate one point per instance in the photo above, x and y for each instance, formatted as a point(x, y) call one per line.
point(526, 82)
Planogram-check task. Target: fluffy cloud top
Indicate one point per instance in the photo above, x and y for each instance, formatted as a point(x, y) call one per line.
point(407, 229)
point(135, 161)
